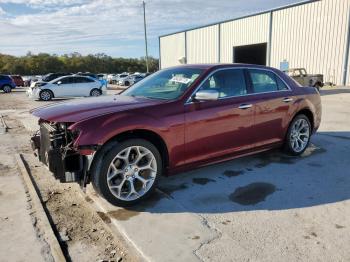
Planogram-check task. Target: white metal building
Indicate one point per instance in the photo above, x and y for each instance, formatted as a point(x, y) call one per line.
point(312, 34)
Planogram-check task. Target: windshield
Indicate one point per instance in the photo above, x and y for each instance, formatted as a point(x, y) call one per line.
point(47, 77)
point(166, 84)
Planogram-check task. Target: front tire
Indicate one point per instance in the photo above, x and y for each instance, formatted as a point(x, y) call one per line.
point(46, 95)
point(298, 135)
point(128, 172)
point(7, 89)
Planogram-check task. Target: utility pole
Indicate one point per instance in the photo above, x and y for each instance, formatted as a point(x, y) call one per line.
point(144, 24)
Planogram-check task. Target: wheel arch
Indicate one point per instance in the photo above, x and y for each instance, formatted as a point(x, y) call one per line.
point(49, 90)
point(145, 134)
point(308, 113)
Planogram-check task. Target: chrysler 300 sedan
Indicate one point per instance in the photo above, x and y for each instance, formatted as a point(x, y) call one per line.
point(177, 119)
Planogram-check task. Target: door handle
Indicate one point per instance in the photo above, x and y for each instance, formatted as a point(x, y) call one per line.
point(245, 106)
point(287, 99)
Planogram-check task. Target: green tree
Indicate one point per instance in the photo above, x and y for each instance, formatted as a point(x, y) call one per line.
point(44, 63)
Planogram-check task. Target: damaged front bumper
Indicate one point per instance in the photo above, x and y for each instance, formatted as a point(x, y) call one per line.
point(53, 147)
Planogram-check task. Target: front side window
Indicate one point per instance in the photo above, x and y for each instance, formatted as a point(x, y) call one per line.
point(265, 81)
point(167, 84)
point(228, 83)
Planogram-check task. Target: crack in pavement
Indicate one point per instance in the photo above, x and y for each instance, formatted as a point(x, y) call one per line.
point(216, 232)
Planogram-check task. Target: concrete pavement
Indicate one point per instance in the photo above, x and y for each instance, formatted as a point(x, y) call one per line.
point(265, 207)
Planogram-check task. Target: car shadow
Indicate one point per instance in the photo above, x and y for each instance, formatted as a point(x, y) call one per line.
point(335, 91)
point(266, 181)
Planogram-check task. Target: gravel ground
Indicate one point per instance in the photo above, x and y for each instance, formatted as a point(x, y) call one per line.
point(82, 233)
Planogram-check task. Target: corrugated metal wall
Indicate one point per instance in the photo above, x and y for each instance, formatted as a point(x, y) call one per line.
point(312, 36)
point(202, 45)
point(172, 48)
point(251, 30)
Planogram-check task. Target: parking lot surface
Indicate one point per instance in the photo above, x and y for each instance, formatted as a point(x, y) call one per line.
point(260, 208)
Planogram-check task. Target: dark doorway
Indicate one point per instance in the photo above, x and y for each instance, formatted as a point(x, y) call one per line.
point(250, 54)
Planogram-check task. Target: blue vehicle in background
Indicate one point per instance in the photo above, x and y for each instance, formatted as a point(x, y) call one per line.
point(6, 83)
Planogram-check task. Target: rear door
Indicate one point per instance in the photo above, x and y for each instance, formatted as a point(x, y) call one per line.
point(218, 128)
point(272, 98)
point(83, 85)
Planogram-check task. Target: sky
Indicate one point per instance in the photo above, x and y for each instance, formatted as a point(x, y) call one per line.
point(113, 27)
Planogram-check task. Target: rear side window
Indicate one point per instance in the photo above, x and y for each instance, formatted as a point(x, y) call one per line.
point(281, 85)
point(67, 80)
point(88, 80)
point(81, 79)
point(228, 82)
point(265, 81)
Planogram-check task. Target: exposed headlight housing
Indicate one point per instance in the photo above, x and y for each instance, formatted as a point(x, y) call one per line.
point(62, 126)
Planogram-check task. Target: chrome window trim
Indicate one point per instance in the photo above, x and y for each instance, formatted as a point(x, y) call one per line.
point(188, 101)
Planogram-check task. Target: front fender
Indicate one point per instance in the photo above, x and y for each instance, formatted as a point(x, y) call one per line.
point(97, 131)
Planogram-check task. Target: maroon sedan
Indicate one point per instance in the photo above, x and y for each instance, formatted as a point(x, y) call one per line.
point(177, 119)
point(18, 80)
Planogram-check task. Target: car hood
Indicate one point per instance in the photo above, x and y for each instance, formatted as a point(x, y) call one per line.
point(80, 109)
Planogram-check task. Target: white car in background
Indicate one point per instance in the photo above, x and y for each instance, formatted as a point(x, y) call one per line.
point(67, 86)
point(130, 80)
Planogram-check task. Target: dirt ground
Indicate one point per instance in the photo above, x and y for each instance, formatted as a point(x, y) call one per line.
point(82, 233)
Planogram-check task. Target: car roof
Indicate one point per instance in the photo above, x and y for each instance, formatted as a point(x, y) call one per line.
point(61, 77)
point(223, 65)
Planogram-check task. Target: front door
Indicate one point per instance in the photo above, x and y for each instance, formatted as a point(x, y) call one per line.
point(220, 127)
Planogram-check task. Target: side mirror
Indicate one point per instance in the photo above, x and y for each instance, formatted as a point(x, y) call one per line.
point(59, 82)
point(206, 95)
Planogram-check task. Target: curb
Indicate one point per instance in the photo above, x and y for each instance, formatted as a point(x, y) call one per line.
point(115, 230)
point(49, 235)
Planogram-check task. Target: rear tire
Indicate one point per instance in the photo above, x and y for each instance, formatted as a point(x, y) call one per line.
point(46, 95)
point(127, 83)
point(298, 135)
point(95, 92)
point(7, 89)
point(126, 173)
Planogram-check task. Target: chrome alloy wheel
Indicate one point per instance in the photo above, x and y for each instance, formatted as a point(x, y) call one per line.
point(300, 134)
point(132, 173)
point(45, 95)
